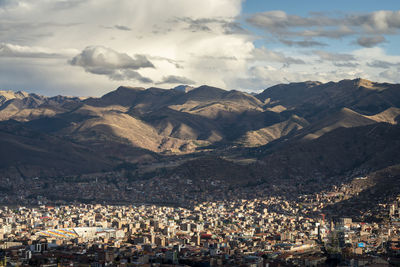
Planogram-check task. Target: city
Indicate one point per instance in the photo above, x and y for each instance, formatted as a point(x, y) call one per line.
point(258, 232)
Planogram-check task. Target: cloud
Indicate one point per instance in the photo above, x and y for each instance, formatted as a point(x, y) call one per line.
point(304, 43)
point(345, 64)
point(382, 64)
point(198, 25)
point(172, 79)
point(279, 23)
point(234, 28)
point(276, 21)
point(11, 50)
point(7, 3)
point(165, 43)
point(370, 41)
point(210, 45)
point(264, 54)
point(126, 75)
point(390, 76)
point(220, 57)
point(336, 33)
point(175, 63)
point(122, 28)
point(323, 55)
point(327, 66)
point(93, 57)
point(282, 24)
point(378, 22)
point(216, 25)
point(29, 33)
point(67, 4)
point(117, 66)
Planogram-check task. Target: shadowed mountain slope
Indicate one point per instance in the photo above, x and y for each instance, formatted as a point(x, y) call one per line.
point(152, 121)
point(31, 153)
point(305, 166)
point(358, 149)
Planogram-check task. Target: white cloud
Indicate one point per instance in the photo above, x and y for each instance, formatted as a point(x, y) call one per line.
point(188, 41)
point(115, 33)
point(374, 53)
point(12, 50)
point(390, 75)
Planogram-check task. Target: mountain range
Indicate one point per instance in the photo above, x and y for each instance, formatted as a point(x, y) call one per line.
point(289, 133)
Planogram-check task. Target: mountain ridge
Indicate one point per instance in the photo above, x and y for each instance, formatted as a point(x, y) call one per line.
point(205, 119)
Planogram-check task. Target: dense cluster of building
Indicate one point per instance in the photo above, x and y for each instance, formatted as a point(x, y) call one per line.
point(125, 187)
point(259, 232)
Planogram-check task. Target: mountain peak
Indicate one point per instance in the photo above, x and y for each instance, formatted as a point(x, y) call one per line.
point(129, 88)
point(21, 94)
point(359, 82)
point(364, 83)
point(8, 95)
point(206, 92)
point(123, 95)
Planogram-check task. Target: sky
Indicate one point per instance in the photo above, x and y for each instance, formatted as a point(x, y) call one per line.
point(90, 47)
